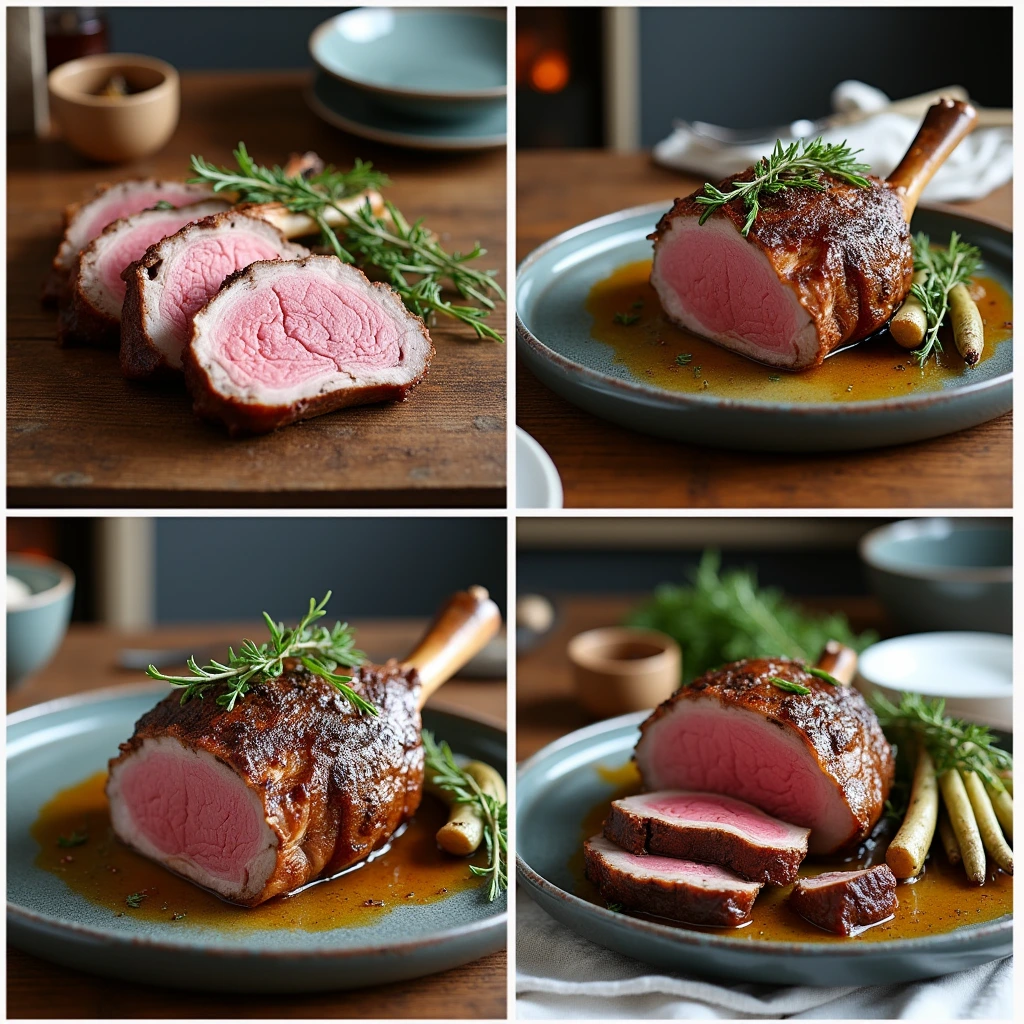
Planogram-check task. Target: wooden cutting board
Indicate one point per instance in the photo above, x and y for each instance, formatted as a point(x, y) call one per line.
point(80, 435)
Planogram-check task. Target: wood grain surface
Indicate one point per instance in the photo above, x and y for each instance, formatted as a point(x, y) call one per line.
point(606, 466)
point(81, 435)
point(35, 988)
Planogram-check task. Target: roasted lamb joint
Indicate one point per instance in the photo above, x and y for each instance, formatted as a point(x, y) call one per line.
point(819, 760)
point(818, 269)
point(293, 784)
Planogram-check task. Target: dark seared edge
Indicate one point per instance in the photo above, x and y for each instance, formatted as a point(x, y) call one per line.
point(852, 900)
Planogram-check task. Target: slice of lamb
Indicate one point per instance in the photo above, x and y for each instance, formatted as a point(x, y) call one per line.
point(702, 894)
point(285, 341)
point(179, 275)
point(843, 901)
point(85, 220)
point(92, 313)
point(712, 829)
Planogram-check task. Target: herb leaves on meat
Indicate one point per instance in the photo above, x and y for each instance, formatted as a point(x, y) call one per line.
point(407, 254)
point(320, 649)
point(799, 165)
point(442, 770)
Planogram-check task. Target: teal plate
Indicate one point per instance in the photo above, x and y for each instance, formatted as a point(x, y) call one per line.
point(55, 745)
point(555, 790)
point(357, 112)
point(553, 335)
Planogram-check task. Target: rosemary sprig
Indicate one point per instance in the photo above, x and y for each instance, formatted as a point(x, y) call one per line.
point(320, 649)
point(788, 686)
point(951, 742)
point(409, 256)
point(820, 673)
point(77, 838)
point(442, 770)
point(135, 899)
point(945, 269)
point(799, 165)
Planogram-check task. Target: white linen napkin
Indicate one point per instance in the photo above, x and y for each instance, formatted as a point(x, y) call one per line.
point(981, 163)
point(562, 976)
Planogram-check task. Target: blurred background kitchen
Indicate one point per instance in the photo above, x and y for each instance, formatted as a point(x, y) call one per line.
point(618, 77)
point(613, 613)
point(141, 589)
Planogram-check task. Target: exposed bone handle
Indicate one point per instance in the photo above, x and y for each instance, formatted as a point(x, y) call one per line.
point(299, 225)
point(459, 632)
point(839, 662)
point(942, 130)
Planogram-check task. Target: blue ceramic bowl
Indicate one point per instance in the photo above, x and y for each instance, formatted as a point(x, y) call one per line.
point(36, 626)
point(435, 64)
point(943, 574)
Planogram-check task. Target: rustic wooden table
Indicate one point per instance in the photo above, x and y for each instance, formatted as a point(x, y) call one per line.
point(35, 988)
point(606, 466)
point(546, 706)
point(81, 435)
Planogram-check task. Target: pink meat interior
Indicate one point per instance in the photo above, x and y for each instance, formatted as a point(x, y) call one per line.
point(132, 244)
point(200, 271)
point(719, 810)
point(727, 284)
point(672, 867)
point(302, 326)
point(187, 809)
point(132, 201)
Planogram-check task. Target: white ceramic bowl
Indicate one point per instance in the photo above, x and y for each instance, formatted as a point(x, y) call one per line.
point(538, 484)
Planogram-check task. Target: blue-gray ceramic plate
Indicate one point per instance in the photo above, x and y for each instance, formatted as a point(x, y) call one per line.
point(559, 785)
point(55, 745)
point(357, 112)
point(430, 63)
point(553, 331)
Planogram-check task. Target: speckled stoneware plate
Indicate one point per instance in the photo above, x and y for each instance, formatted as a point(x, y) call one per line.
point(553, 331)
point(555, 790)
point(55, 745)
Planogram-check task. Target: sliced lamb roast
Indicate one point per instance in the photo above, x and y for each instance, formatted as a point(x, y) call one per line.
point(702, 894)
point(84, 221)
point(818, 269)
point(843, 901)
point(92, 313)
point(292, 784)
point(712, 829)
point(285, 341)
point(819, 760)
point(179, 275)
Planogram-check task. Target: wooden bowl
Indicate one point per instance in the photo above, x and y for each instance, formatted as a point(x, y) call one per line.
point(618, 670)
point(114, 129)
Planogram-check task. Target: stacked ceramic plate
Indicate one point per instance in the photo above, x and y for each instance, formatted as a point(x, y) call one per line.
point(425, 79)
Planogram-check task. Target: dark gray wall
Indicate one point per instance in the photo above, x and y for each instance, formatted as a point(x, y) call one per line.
point(235, 568)
point(753, 67)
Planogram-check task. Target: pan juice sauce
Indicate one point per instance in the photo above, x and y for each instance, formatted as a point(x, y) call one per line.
point(940, 900)
point(668, 357)
point(413, 871)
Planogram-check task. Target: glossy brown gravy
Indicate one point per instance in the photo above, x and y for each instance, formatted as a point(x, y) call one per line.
point(412, 872)
point(651, 348)
point(941, 900)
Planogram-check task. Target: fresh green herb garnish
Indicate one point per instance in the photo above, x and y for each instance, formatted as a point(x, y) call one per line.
point(441, 769)
point(626, 319)
point(390, 244)
point(320, 649)
point(696, 371)
point(135, 899)
point(615, 908)
point(684, 358)
point(75, 839)
point(945, 268)
point(789, 687)
point(820, 673)
point(725, 616)
point(800, 165)
point(163, 205)
point(951, 742)
point(774, 378)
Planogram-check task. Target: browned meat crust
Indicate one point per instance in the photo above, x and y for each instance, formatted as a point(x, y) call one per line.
point(639, 833)
point(835, 723)
point(846, 900)
point(335, 784)
point(845, 251)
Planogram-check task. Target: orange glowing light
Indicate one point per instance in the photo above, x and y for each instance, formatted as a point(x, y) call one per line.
point(550, 71)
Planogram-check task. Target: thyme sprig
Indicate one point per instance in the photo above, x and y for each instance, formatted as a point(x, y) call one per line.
point(799, 165)
point(951, 742)
point(945, 268)
point(320, 649)
point(407, 254)
point(442, 770)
